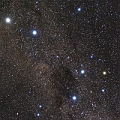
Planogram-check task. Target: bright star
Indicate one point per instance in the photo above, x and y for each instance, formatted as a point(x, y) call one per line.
point(104, 72)
point(82, 71)
point(103, 90)
point(34, 32)
point(38, 114)
point(8, 20)
point(79, 9)
point(74, 97)
point(40, 106)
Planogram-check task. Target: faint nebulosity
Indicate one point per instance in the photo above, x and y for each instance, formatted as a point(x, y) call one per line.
point(59, 60)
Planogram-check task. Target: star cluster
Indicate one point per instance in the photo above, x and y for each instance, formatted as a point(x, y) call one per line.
point(59, 60)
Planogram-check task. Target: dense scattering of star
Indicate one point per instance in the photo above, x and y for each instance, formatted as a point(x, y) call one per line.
point(59, 60)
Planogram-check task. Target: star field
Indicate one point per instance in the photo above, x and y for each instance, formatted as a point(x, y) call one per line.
point(59, 60)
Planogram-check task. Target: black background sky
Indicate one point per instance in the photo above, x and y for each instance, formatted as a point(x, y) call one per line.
point(68, 70)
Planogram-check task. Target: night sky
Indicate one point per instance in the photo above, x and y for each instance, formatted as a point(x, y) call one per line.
point(59, 60)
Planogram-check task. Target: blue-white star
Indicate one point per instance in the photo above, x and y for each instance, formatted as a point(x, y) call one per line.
point(81, 65)
point(79, 9)
point(82, 71)
point(92, 56)
point(74, 98)
point(40, 106)
point(34, 32)
point(57, 56)
point(103, 90)
point(38, 114)
point(38, 9)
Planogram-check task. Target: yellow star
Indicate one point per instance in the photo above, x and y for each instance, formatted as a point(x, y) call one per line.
point(104, 72)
